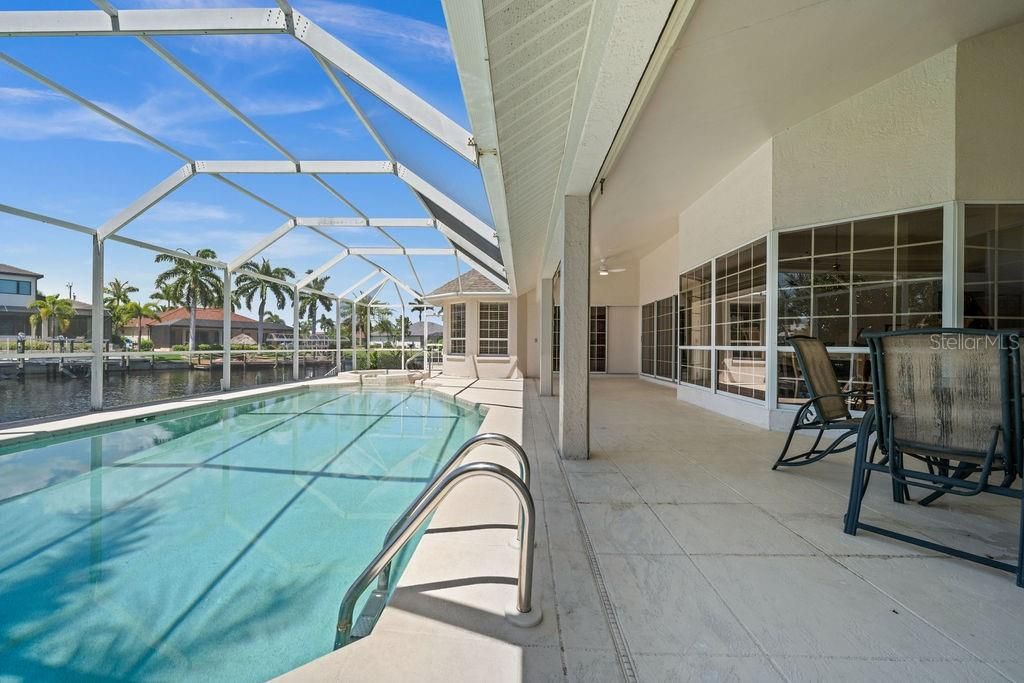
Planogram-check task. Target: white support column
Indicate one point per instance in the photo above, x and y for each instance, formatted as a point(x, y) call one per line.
point(96, 376)
point(295, 335)
point(225, 379)
point(574, 333)
point(953, 264)
point(355, 319)
point(544, 306)
point(337, 336)
point(401, 325)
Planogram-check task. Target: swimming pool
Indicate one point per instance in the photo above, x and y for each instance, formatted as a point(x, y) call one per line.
point(214, 545)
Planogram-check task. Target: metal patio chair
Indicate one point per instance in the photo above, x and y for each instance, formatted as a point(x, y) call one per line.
point(949, 399)
point(825, 410)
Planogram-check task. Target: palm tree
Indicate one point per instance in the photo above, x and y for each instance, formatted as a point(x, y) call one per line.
point(193, 284)
point(52, 308)
point(309, 301)
point(249, 287)
point(138, 311)
point(274, 318)
point(117, 293)
point(164, 296)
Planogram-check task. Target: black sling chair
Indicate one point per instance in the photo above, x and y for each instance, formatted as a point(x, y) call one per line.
point(950, 399)
point(825, 410)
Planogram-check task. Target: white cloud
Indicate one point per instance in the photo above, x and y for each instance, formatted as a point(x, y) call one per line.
point(406, 33)
point(175, 211)
point(172, 116)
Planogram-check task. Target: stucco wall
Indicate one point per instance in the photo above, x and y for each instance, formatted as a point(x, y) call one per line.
point(470, 364)
point(529, 324)
point(887, 148)
point(735, 211)
point(658, 274)
point(990, 116)
point(623, 339)
point(615, 289)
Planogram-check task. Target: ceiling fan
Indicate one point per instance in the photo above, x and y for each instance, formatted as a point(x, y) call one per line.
point(604, 269)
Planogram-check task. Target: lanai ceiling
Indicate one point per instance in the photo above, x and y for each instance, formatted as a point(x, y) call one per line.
point(546, 84)
point(745, 70)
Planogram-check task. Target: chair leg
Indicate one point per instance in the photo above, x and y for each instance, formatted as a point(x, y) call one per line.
point(900, 491)
point(857, 483)
point(789, 439)
point(1020, 547)
point(962, 471)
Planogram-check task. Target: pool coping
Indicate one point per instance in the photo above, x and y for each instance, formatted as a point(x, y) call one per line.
point(436, 610)
point(28, 432)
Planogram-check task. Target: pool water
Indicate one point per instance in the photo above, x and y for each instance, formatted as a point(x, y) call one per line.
point(215, 545)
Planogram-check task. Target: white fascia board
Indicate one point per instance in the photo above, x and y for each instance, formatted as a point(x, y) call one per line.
point(49, 220)
point(252, 251)
point(405, 101)
point(466, 28)
point(338, 167)
point(246, 167)
point(142, 22)
point(143, 203)
point(402, 222)
point(447, 203)
point(317, 272)
point(456, 238)
point(486, 273)
point(170, 252)
point(331, 222)
point(361, 282)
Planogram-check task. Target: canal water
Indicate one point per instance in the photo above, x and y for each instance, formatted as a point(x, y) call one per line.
point(36, 396)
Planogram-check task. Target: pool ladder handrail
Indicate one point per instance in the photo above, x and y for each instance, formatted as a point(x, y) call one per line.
point(523, 612)
point(471, 444)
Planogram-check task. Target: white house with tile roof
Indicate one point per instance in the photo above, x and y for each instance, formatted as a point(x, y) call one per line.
point(480, 330)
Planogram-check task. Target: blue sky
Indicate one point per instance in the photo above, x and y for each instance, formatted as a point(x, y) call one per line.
point(62, 160)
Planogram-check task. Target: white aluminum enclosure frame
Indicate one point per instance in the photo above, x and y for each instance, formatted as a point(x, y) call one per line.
point(335, 58)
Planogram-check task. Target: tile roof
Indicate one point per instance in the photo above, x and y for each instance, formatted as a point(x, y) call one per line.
point(472, 283)
point(12, 270)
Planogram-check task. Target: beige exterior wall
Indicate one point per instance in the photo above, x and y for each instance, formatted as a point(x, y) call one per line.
point(471, 364)
point(735, 211)
point(529, 325)
point(990, 116)
point(887, 148)
point(623, 340)
point(658, 275)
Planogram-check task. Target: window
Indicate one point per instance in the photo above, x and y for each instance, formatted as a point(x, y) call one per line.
point(493, 329)
point(665, 352)
point(556, 338)
point(740, 315)
point(647, 327)
point(457, 329)
point(598, 339)
point(839, 281)
point(695, 326)
point(994, 266)
point(15, 287)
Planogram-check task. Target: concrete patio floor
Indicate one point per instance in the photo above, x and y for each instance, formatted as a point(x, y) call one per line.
point(717, 568)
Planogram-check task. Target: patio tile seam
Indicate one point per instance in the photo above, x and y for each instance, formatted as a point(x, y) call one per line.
point(835, 559)
point(619, 642)
point(530, 433)
point(973, 655)
point(757, 643)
